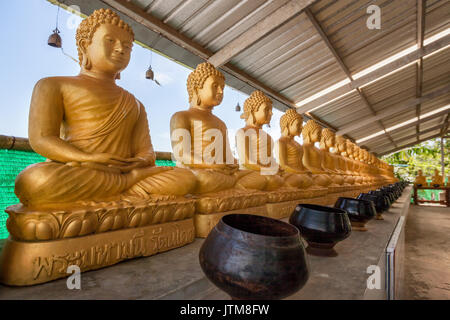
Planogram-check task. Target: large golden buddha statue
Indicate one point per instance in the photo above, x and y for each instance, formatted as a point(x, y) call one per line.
point(437, 178)
point(312, 156)
point(100, 173)
point(94, 134)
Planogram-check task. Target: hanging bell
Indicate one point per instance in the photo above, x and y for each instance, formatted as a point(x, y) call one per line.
point(149, 74)
point(55, 40)
point(238, 107)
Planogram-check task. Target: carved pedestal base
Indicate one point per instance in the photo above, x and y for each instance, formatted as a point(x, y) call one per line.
point(358, 226)
point(28, 263)
point(204, 223)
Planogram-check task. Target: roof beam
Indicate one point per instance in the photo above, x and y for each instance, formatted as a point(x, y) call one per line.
point(445, 125)
point(382, 146)
point(259, 30)
point(443, 112)
point(393, 110)
point(420, 35)
point(408, 145)
point(376, 74)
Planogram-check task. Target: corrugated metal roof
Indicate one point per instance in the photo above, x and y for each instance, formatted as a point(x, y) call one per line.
point(309, 52)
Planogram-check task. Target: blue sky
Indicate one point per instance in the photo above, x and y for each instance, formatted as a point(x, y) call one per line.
point(26, 58)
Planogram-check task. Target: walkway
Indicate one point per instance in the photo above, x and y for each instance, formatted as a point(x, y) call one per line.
point(427, 254)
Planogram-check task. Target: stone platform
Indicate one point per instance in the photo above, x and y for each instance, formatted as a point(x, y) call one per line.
point(176, 274)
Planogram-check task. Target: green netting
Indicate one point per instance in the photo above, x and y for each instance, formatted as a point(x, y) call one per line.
point(11, 163)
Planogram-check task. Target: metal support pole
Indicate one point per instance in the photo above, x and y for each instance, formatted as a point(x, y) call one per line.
point(442, 158)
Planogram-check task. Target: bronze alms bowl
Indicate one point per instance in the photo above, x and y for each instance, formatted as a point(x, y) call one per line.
point(322, 227)
point(254, 257)
point(359, 211)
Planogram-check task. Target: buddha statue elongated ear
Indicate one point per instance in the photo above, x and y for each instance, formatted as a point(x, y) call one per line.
point(85, 62)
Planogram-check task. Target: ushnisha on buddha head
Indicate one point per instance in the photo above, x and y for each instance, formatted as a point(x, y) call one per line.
point(104, 44)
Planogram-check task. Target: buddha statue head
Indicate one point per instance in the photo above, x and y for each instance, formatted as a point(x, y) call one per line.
point(291, 123)
point(341, 145)
point(257, 109)
point(104, 43)
point(205, 86)
point(328, 139)
point(312, 132)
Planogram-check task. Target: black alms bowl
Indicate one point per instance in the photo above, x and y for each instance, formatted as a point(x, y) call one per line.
point(359, 211)
point(322, 227)
point(254, 257)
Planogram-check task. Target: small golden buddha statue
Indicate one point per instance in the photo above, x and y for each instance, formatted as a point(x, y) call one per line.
point(94, 134)
point(312, 156)
point(327, 141)
point(351, 163)
point(290, 152)
point(341, 156)
point(255, 146)
point(437, 178)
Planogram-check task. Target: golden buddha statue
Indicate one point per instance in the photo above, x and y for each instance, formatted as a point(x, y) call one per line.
point(329, 161)
point(290, 152)
point(100, 173)
point(437, 178)
point(255, 146)
point(200, 144)
point(341, 161)
point(312, 156)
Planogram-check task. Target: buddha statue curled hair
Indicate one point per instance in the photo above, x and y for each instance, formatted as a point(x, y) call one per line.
point(197, 78)
point(252, 103)
point(88, 26)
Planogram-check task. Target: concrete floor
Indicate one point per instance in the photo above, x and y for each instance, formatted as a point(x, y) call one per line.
point(427, 254)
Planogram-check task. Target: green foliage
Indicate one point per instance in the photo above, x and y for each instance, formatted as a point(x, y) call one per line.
point(425, 156)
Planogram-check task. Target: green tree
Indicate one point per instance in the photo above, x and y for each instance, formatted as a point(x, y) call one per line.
point(425, 156)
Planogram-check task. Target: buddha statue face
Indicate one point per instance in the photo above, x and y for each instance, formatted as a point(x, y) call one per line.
point(104, 43)
point(205, 86)
point(311, 132)
point(419, 172)
point(257, 109)
point(291, 123)
point(211, 94)
point(436, 172)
